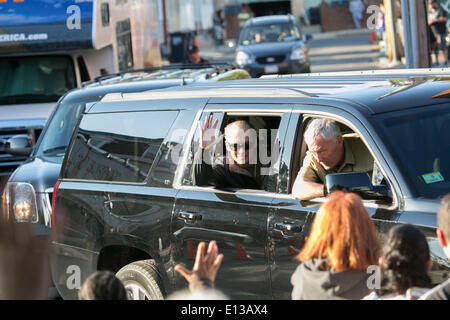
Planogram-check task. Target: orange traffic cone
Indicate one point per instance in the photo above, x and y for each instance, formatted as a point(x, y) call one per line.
point(372, 36)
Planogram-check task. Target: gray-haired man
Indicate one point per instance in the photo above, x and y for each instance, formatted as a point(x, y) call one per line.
point(328, 152)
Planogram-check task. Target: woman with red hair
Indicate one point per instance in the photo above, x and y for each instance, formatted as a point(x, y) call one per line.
point(341, 246)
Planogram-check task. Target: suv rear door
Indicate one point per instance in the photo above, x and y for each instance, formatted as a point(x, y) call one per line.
point(235, 218)
point(115, 196)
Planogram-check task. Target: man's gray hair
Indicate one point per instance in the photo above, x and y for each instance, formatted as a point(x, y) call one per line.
point(327, 128)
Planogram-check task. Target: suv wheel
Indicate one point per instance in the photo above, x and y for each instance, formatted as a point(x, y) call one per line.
point(142, 280)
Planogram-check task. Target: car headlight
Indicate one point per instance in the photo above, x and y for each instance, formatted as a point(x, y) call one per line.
point(19, 201)
point(243, 59)
point(298, 54)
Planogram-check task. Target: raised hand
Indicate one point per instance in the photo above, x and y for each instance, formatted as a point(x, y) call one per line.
point(207, 133)
point(207, 263)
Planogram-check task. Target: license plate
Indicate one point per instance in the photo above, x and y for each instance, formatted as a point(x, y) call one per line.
point(271, 69)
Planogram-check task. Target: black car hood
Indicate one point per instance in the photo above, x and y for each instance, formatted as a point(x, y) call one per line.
point(271, 48)
point(40, 173)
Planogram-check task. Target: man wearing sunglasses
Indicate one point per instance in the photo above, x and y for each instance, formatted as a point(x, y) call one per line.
point(239, 168)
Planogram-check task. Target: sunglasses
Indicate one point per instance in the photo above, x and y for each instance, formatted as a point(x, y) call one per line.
point(236, 146)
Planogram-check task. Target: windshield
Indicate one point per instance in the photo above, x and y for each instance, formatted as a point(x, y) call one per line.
point(35, 79)
point(419, 139)
point(60, 129)
point(279, 32)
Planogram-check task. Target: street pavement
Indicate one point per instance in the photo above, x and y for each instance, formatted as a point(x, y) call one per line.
point(344, 50)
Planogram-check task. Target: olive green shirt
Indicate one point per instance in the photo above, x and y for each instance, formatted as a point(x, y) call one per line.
point(356, 158)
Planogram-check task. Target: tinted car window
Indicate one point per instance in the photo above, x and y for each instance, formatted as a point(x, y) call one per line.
point(270, 33)
point(419, 139)
point(262, 152)
point(117, 147)
point(60, 129)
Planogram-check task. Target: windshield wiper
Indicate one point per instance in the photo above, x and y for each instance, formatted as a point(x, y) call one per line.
point(60, 149)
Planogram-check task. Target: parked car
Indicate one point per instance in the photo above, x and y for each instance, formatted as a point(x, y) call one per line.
point(273, 45)
point(125, 200)
point(28, 192)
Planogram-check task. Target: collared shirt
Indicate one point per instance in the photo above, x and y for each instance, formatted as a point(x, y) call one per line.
point(356, 158)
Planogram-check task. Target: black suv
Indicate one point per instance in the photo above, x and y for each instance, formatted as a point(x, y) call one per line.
point(126, 200)
point(30, 186)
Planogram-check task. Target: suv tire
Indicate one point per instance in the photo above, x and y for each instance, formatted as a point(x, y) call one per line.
point(142, 280)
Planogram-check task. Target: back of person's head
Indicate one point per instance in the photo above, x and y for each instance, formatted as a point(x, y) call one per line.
point(327, 128)
point(207, 294)
point(102, 285)
point(443, 217)
point(405, 261)
point(342, 233)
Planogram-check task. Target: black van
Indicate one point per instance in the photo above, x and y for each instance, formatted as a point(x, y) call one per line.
point(125, 200)
point(32, 182)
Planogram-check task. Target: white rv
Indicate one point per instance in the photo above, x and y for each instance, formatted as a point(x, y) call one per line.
point(48, 47)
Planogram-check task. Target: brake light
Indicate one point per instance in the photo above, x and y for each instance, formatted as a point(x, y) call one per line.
point(5, 204)
point(55, 188)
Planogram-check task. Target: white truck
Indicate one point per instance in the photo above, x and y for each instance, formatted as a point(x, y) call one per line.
point(48, 47)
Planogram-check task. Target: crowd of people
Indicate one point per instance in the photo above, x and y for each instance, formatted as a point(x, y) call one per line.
point(341, 246)
point(333, 263)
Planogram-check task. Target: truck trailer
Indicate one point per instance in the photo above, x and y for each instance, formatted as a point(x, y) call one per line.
point(48, 47)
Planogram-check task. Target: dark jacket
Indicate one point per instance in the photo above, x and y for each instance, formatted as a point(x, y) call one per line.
point(219, 175)
point(311, 283)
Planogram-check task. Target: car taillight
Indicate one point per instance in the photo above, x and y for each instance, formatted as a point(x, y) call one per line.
point(5, 204)
point(55, 188)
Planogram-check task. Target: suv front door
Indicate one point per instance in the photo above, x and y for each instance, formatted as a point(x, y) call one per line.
point(297, 216)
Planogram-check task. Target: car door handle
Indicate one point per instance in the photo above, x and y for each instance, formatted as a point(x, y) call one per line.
point(189, 216)
point(286, 227)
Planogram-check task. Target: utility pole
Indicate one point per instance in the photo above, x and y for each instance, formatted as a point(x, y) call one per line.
point(166, 36)
point(407, 35)
point(415, 33)
point(391, 38)
point(423, 41)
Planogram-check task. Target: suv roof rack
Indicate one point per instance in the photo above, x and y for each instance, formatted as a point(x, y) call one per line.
point(382, 72)
point(176, 70)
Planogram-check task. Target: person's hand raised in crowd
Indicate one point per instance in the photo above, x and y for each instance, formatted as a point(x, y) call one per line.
point(207, 263)
point(207, 133)
point(24, 262)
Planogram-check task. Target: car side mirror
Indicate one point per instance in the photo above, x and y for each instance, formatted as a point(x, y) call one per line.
point(357, 182)
point(18, 145)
